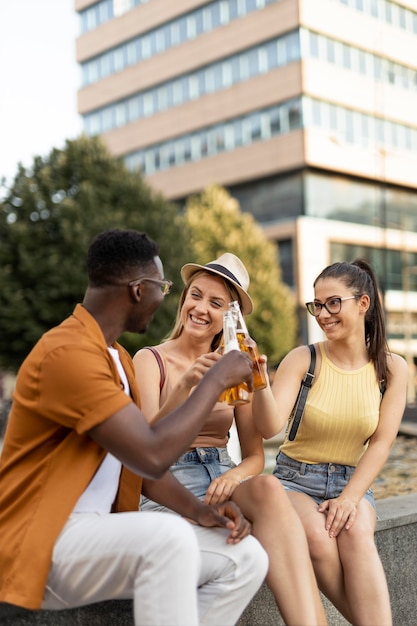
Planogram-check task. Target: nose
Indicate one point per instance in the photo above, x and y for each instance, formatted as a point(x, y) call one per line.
point(325, 311)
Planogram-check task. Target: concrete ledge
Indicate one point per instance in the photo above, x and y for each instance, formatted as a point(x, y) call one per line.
point(396, 540)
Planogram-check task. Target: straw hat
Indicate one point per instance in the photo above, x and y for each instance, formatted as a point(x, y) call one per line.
point(229, 267)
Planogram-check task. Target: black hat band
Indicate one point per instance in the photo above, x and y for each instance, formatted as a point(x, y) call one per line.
point(223, 270)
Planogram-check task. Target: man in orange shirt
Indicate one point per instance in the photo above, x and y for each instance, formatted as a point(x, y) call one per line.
point(76, 449)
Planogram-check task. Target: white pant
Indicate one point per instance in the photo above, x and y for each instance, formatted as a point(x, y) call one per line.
point(178, 574)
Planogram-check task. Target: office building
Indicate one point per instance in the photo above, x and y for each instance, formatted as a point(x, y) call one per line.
point(305, 110)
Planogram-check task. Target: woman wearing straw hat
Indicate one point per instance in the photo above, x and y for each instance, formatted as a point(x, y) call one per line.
point(168, 374)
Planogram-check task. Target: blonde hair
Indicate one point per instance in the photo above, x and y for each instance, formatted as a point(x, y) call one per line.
point(179, 326)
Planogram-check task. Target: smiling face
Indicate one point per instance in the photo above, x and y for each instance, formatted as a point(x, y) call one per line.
point(204, 303)
point(350, 318)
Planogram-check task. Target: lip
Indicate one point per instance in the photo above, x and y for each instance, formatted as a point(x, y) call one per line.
point(326, 326)
point(198, 321)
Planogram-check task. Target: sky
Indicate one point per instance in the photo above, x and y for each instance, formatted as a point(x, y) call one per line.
point(39, 79)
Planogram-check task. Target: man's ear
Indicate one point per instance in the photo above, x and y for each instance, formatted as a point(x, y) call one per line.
point(135, 292)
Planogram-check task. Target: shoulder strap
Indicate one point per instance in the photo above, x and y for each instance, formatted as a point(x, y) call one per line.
point(299, 405)
point(160, 363)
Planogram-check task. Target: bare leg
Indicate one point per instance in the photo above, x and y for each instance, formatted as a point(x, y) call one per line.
point(324, 553)
point(364, 574)
point(348, 568)
point(277, 526)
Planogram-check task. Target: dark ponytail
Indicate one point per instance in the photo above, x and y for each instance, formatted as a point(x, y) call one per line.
point(360, 278)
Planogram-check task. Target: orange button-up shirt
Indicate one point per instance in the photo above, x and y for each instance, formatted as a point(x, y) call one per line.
point(67, 385)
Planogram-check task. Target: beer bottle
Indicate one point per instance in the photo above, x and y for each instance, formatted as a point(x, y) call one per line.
point(239, 394)
point(247, 344)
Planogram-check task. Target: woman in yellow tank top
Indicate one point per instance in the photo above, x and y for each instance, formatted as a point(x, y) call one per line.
point(344, 437)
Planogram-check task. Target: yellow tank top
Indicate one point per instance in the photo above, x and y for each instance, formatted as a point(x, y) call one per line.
point(341, 413)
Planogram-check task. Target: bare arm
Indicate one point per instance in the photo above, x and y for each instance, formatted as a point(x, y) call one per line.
point(253, 458)
point(148, 379)
point(172, 494)
point(150, 450)
point(272, 406)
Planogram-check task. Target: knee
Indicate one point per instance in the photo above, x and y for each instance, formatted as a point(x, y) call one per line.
point(267, 492)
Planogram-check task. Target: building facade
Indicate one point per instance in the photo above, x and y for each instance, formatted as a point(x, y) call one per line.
point(305, 110)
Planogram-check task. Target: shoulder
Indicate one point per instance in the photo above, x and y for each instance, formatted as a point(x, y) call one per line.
point(397, 365)
point(147, 356)
point(299, 357)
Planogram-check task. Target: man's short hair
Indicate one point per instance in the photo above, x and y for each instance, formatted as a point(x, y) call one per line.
point(115, 254)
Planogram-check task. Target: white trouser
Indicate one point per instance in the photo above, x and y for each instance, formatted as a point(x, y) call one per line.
point(178, 574)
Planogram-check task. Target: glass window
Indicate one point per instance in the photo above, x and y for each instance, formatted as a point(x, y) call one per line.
point(294, 115)
point(191, 26)
point(330, 53)
point(148, 107)
point(293, 47)
point(162, 98)
point(107, 119)
point(275, 121)
point(347, 63)
point(132, 53)
point(133, 108)
point(253, 62)
point(175, 34)
point(120, 114)
point(229, 137)
point(282, 51)
point(207, 19)
point(272, 54)
point(106, 65)
point(224, 12)
point(314, 45)
point(227, 74)
point(193, 87)
point(177, 97)
point(263, 60)
point(244, 67)
point(145, 52)
point(118, 59)
point(255, 122)
point(195, 148)
point(209, 80)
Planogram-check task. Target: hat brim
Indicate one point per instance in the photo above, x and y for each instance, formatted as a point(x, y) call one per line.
point(189, 269)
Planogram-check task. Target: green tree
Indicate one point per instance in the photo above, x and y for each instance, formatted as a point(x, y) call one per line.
point(217, 225)
point(48, 218)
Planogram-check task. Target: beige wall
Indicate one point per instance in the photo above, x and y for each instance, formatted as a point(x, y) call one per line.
point(249, 162)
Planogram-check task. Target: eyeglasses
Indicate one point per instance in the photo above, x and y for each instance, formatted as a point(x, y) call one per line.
point(165, 285)
point(332, 305)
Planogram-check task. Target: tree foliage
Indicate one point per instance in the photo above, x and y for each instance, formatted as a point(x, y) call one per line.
point(47, 220)
point(217, 225)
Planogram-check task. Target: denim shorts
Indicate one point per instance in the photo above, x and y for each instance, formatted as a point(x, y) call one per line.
point(195, 470)
point(321, 481)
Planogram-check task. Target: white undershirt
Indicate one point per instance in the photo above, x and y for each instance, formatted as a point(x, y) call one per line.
point(102, 489)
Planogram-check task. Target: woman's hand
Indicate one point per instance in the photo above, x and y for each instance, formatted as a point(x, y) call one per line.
point(340, 513)
point(196, 372)
point(221, 488)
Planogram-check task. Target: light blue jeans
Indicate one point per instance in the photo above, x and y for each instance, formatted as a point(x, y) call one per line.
point(195, 470)
point(321, 481)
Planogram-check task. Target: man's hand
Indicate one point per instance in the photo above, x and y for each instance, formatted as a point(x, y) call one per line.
point(234, 368)
point(225, 515)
